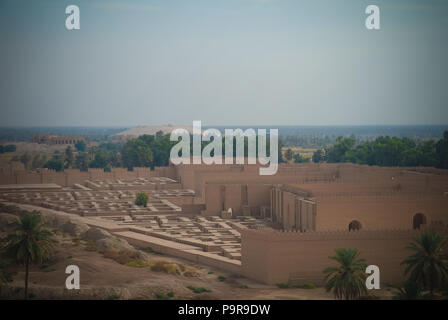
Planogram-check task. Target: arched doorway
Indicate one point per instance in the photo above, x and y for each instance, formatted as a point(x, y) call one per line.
point(354, 225)
point(418, 220)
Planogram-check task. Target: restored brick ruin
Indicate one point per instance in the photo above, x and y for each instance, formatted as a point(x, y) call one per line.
point(274, 229)
point(15, 173)
point(297, 258)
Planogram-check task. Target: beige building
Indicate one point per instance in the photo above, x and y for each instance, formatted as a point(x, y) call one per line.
point(308, 210)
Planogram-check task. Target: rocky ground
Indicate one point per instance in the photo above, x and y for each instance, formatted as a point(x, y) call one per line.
point(110, 268)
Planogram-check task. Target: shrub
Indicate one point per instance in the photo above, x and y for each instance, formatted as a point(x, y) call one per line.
point(91, 246)
point(198, 289)
point(243, 286)
point(221, 278)
point(191, 273)
point(172, 268)
point(137, 263)
point(76, 241)
point(283, 285)
point(308, 285)
point(162, 296)
point(141, 199)
point(162, 266)
point(113, 297)
point(148, 250)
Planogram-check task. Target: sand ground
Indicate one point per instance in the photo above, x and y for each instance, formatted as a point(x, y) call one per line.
point(104, 278)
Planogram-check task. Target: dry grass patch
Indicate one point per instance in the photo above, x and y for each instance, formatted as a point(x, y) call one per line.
point(123, 256)
point(167, 267)
point(91, 246)
point(137, 263)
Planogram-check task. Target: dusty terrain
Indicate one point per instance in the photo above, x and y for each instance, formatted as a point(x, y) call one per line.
point(112, 269)
point(104, 278)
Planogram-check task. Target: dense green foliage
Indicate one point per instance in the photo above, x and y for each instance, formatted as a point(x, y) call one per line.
point(82, 161)
point(428, 265)
point(300, 159)
point(137, 153)
point(144, 151)
point(56, 162)
point(442, 151)
point(7, 148)
point(289, 154)
point(154, 150)
point(141, 199)
point(387, 151)
point(319, 156)
point(409, 291)
point(30, 243)
point(80, 146)
point(347, 280)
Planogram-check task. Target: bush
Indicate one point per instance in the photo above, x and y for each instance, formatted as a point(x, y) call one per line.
point(170, 268)
point(80, 145)
point(283, 285)
point(198, 289)
point(191, 273)
point(148, 250)
point(142, 199)
point(221, 278)
point(8, 148)
point(91, 246)
point(137, 263)
point(308, 285)
point(162, 296)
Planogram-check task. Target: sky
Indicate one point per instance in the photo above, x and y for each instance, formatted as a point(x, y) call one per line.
point(224, 62)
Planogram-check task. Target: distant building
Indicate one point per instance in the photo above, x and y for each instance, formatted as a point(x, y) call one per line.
point(54, 139)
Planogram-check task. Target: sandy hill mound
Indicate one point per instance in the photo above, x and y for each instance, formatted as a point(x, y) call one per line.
point(151, 130)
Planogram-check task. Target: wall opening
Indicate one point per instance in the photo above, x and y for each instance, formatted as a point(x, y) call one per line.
point(418, 220)
point(354, 225)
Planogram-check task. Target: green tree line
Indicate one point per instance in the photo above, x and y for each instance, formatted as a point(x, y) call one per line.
point(144, 151)
point(387, 151)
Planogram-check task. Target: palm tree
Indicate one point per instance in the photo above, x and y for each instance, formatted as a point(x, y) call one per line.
point(428, 266)
point(409, 291)
point(30, 243)
point(347, 280)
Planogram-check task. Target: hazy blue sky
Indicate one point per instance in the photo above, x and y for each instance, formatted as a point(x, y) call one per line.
point(234, 62)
